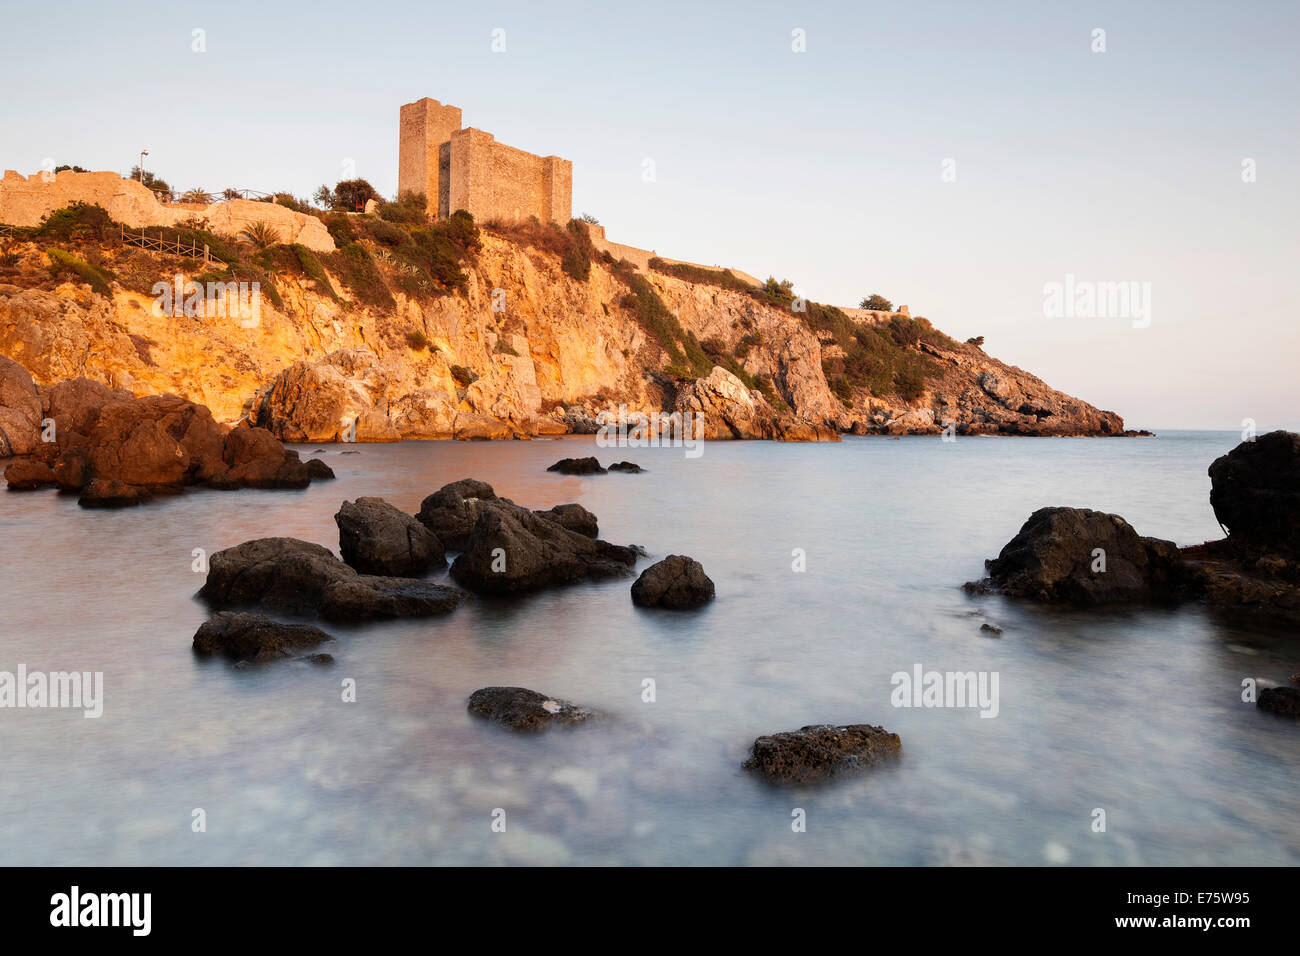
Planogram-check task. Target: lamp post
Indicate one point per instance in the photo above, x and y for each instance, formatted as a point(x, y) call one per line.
point(143, 154)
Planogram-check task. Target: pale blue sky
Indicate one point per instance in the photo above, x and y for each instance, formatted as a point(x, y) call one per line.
point(823, 166)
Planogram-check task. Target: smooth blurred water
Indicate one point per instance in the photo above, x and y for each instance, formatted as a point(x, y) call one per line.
point(1135, 712)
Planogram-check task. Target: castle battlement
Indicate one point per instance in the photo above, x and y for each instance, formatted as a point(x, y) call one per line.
point(466, 168)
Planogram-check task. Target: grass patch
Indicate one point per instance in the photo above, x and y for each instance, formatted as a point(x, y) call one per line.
point(722, 278)
point(97, 278)
point(417, 340)
point(312, 268)
point(359, 274)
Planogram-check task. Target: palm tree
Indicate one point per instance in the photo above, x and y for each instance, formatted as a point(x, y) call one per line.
point(196, 195)
point(261, 234)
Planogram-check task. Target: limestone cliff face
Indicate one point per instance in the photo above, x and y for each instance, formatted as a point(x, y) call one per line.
point(525, 350)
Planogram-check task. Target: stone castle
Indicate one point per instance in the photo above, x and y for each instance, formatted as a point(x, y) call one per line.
point(468, 169)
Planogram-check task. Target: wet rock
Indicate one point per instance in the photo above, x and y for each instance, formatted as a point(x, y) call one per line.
point(513, 550)
point(574, 517)
point(1255, 492)
point(318, 470)
point(450, 512)
point(1280, 700)
point(319, 659)
point(1052, 559)
point(676, 582)
point(376, 538)
point(991, 630)
point(630, 467)
point(577, 466)
point(518, 708)
point(242, 636)
point(821, 751)
point(26, 475)
point(297, 577)
point(100, 493)
point(257, 459)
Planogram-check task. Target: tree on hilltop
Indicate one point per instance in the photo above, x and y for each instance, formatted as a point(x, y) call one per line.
point(876, 303)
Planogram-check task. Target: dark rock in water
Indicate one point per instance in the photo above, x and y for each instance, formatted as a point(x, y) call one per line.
point(72, 470)
point(101, 493)
point(298, 577)
point(577, 466)
point(1052, 559)
point(242, 636)
point(820, 751)
point(676, 582)
point(513, 550)
point(1280, 700)
point(320, 659)
point(1230, 576)
point(450, 512)
point(317, 469)
point(349, 453)
point(991, 629)
point(518, 708)
point(627, 466)
point(376, 538)
point(320, 451)
point(574, 517)
point(1255, 492)
point(23, 475)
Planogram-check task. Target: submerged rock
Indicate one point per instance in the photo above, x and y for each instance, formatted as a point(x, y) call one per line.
point(242, 636)
point(376, 538)
point(1079, 556)
point(298, 577)
point(519, 708)
point(511, 549)
point(102, 493)
point(820, 751)
point(630, 467)
point(1280, 700)
point(24, 475)
point(577, 466)
point(676, 582)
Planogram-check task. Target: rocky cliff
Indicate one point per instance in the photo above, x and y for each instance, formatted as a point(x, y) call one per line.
point(526, 344)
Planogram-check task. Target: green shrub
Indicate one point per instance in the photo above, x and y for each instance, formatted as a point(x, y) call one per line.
point(504, 348)
point(313, 269)
point(778, 294)
point(876, 303)
point(722, 278)
point(358, 272)
point(417, 340)
point(350, 195)
point(77, 221)
point(340, 228)
point(409, 208)
point(463, 376)
point(576, 259)
point(94, 276)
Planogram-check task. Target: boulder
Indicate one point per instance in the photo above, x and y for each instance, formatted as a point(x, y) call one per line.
point(676, 582)
point(473, 426)
point(26, 475)
point(255, 458)
point(518, 708)
point(20, 410)
point(241, 637)
point(574, 517)
point(1052, 559)
point(1280, 700)
point(577, 466)
point(629, 467)
point(297, 577)
point(111, 493)
point(1255, 492)
point(513, 550)
point(376, 538)
point(821, 751)
point(450, 512)
point(318, 470)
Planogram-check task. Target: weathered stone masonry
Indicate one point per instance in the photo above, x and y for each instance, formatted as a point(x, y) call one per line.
point(468, 169)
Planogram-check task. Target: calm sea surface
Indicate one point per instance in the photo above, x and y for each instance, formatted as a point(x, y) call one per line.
point(1135, 712)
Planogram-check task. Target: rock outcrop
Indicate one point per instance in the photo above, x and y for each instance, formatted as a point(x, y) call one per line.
point(119, 450)
point(376, 538)
point(677, 582)
point(721, 407)
point(1280, 700)
point(254, 637)
point(513, 550)
point(820, 751)
point(451, 511)
point(290, 576)
point(1079, 556)
point(577, 466)
point(521, 709)
point(1255, 492)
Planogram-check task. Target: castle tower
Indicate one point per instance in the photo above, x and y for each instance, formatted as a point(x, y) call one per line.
point(465, 168)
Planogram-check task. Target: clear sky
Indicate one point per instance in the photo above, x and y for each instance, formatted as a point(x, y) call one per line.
point(824, 166)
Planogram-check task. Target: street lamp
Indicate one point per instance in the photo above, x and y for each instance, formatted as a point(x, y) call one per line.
point(143, 154)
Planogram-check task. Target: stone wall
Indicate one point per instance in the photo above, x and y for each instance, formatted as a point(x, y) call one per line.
point(26, 200)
